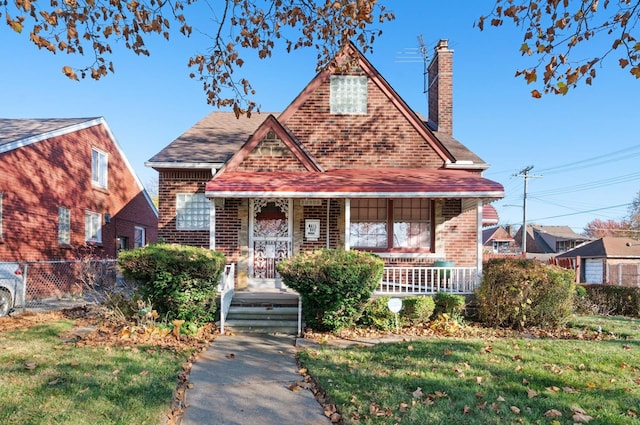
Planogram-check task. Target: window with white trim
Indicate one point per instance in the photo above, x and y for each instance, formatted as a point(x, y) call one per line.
point(192, 211)
point(391, 224)
point(138, 237)
point(348, 94)
point(92, 227)
point(64, 226)
point(99, 168)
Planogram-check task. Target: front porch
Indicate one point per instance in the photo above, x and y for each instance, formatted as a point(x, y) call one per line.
point(404, 281)
point(281, 306)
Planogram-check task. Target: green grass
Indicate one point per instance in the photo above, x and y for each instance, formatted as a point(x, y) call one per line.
point(46, 380)
point(487, 381)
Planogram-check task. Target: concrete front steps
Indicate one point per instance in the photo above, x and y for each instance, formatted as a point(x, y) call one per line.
point(263, 312)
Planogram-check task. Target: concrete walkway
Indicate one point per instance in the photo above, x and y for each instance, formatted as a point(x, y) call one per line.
point(245, 380)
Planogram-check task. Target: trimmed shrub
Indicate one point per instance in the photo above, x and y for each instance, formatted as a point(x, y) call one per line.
point(180, 281)
point(417, 310)
point(615, 300)
point(376, 314)
point(451, 304)
point(518, 293)
point(334, 285)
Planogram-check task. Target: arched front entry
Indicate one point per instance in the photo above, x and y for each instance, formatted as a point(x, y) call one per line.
point(270, 240)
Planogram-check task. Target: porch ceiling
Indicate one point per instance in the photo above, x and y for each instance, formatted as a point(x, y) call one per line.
point(355, 183)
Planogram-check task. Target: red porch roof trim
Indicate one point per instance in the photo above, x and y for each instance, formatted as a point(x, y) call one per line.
point(355, 183)
point(350, 50)
point(271, 123)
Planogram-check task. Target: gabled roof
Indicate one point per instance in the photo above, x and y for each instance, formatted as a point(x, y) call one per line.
point(210, 143)
point(608, 246)
point(346, 183)
point(557, 232)
point(214, 140)
point(447, 151)
point(17, 133)
point(497, 233)
point(271, 124)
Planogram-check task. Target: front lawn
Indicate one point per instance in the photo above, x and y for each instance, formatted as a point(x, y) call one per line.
point(488, 380)
point(46, 378)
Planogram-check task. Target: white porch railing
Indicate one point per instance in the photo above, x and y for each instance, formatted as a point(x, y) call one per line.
point(428, 280)
point(226, 289)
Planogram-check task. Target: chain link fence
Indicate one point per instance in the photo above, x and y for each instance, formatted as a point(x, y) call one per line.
point(53, 285)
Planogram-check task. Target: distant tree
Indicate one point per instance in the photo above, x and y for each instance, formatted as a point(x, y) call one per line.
point(634, 215)
point(600, 228)
point(151, 186)
point(94, 27)
point(562, 35)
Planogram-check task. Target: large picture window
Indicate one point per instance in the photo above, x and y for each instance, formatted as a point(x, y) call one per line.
point(192, 211)
point(391, 224)
point(99, 161)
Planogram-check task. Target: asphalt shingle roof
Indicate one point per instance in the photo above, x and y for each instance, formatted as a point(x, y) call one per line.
point(219, 135)
point(607, 246)
point(213, 139)
point(13, 130)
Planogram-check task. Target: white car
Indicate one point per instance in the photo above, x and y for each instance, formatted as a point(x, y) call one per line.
point(11, 287)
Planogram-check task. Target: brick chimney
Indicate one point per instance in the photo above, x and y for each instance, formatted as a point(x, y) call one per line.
point(440, 88)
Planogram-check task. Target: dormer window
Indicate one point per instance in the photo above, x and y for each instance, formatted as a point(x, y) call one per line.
point(348, 94)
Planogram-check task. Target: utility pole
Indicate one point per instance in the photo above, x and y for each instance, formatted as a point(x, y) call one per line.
point(524, 173)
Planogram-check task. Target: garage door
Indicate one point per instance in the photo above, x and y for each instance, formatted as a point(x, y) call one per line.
point(593, 270)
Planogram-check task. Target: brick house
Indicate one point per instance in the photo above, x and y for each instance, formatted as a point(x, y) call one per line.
point(549, 240)
point(65, 184)
point(348, 164)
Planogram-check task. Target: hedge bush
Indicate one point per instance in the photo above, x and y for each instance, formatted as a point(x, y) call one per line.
point(518, 293)
point(334, 285)
point(376, 314)
point(180, 281)
point(451, 304)
point(415, 310)
point(615, 300)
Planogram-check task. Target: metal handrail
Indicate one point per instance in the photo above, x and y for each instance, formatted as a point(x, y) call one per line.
point(227, 291)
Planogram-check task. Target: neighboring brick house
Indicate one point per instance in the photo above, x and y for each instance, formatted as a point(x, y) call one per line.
point(498, 240)
point(346, 165)
point(550, 239)
point(65, 184)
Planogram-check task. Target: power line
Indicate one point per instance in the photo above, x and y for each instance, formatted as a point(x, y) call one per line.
point(581, 212)
point(596, 160)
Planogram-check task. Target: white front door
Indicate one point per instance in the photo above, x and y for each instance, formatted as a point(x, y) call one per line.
point(270, 238)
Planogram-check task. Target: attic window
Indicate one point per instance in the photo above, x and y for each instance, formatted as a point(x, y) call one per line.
point(348, 94)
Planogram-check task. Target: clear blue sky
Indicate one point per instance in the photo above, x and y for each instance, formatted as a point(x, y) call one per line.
point(584, 146)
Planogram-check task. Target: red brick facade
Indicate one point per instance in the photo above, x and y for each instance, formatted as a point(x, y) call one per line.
point(39, 178)
point(170, 183)
point(309, 138)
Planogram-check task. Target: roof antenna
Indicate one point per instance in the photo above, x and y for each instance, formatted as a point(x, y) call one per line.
point(415, 55)
point(425, 56)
